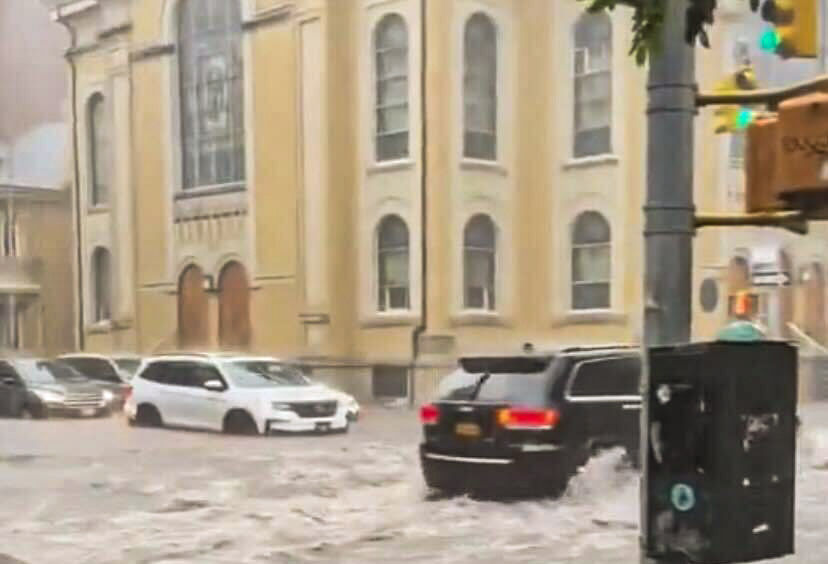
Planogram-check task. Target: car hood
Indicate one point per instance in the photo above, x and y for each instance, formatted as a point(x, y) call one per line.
point(67, 388)
point(298, 393)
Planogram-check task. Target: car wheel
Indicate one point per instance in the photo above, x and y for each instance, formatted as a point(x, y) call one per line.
point(240, 423)
point(148, 416)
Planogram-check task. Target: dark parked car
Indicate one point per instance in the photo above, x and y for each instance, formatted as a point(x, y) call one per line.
point(42, 388)
point(109, 373)
point(522, 425)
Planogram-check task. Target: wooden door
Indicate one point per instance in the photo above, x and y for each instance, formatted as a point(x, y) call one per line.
point(193, 324)
point(235, 331)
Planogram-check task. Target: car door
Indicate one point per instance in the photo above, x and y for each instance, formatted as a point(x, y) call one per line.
point(206, 408)
point(12, 391)
point(166, 391)
point(604, 398)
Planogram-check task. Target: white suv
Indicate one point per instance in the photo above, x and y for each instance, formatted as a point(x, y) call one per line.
point(241, 395)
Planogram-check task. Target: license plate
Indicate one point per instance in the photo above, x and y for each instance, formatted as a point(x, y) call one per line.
point(467, 429)
point(87, 412)
point(323, 427)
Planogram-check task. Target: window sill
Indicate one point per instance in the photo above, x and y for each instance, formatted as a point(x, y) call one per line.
point(390, 319)
point(98, 209)
point(390, 166)
point(484, 166)
point(591, 316)
point(99, 328)
point(595, 160)
point(206, 191)
point(479, 318)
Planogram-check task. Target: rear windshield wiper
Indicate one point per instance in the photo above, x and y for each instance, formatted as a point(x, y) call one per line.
point(478, 385)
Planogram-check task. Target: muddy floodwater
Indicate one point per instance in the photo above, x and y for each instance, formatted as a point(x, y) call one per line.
point(101, 492)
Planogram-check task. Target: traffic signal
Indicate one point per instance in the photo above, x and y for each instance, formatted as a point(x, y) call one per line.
point(794, 31)
point(730, 119)
point(719, 472)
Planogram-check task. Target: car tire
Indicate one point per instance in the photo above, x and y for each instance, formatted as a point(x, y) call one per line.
point(239, 423)
point(148, 416)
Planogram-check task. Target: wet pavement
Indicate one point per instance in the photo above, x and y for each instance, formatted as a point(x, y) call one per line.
point(98, 491)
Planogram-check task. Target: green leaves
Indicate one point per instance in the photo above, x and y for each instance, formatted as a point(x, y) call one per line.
point(648, 18)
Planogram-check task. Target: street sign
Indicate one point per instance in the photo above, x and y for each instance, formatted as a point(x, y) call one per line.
point(771, 279)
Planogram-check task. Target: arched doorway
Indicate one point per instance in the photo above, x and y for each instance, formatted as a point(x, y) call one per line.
point(235, 331)
point(193, 324)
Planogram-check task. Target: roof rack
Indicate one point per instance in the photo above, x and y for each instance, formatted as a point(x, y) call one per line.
point(608, 346)
point(183, 353)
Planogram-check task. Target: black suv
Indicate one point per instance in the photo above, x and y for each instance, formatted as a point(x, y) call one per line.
point(522, 425)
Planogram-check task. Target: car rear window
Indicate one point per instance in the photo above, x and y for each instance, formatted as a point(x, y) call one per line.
point(606, 377)
point(522, 381)
point(128, 365)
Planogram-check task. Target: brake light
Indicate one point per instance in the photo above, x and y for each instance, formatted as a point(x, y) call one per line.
point(527, 418)
point(429, 414)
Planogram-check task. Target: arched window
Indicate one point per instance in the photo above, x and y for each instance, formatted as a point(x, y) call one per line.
point(193, 328)
point(212, 97)
point(591, 262)
point(235, 330)
point(479, 263)
point(391, 59)
point(98, 151)
point(480, 88)
point(392, 264)
point(593, 85)
point(102, 285)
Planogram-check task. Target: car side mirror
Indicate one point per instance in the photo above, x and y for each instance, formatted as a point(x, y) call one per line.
point(214, 385)
point(9, 381)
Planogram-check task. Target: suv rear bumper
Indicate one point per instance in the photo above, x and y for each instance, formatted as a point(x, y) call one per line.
point(533, 473)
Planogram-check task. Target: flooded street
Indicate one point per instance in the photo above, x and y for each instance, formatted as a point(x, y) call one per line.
point(100, 492)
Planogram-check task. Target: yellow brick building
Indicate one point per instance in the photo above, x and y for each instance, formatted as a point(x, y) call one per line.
point(254, 172)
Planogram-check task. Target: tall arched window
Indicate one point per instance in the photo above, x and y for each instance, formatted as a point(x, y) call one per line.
point(98, 151)
point(212, 97)
point(593, 85)
point(101, 285)
point(392, 264)
point(479, 263)
point(391, 59)
point(591, 262)
point(480, 88)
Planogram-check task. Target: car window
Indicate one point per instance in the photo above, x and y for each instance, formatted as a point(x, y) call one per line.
point(128, 365)
point(606, 377)
point(198, 374)
point(46, 372)
point(154, 372)
point(263, 374)
point(94, 368)
point(515, 381)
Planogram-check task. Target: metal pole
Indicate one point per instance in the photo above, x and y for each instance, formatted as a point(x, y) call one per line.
point(669, 211)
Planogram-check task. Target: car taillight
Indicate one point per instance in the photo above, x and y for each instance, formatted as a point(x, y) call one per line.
point(429, 414)
point(528, 418)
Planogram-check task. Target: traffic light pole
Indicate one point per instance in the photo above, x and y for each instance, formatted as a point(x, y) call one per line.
point(669, 211)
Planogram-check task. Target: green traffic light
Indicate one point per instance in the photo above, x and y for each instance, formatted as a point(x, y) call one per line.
point(744, 118)
point(769, 40)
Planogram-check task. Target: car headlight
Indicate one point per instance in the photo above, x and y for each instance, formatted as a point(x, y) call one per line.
point(48, 396)
point(280, 406)
point(351, 403)
point(108, 396)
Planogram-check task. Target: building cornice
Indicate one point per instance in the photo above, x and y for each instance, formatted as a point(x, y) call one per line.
point(151, 51)
point(269, 16)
